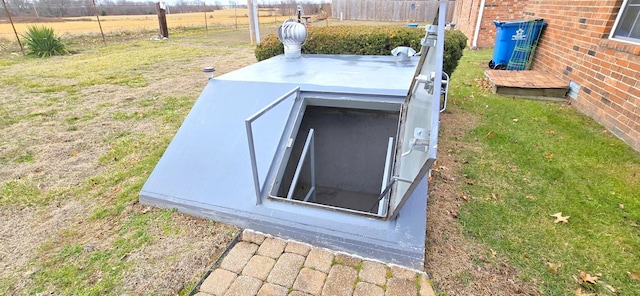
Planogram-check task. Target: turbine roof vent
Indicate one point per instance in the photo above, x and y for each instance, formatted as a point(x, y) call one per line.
point(292, 34)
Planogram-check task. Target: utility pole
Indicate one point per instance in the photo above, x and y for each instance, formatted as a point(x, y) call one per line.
point(254, 29)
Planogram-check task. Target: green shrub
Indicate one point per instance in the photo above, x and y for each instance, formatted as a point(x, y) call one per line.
point(42, 42)
point(365, 40)
point(270, 46)
point(454, 44)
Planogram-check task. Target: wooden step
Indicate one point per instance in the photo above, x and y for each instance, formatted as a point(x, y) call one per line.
point(531, 84)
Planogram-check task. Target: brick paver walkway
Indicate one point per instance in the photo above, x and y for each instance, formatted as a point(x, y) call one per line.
point(263, 265)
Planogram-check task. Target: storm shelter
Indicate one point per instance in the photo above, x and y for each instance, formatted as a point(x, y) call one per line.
point(332, 150)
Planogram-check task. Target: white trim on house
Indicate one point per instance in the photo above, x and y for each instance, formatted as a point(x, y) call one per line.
point(623, 7)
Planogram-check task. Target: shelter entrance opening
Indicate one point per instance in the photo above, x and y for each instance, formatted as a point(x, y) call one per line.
point(339, 157)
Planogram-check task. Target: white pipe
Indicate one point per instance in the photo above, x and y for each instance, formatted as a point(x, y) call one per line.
point(474, 44)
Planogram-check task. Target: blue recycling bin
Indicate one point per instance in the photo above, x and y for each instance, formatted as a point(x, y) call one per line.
point(515, 41)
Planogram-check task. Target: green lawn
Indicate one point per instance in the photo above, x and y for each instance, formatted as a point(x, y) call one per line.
point(80, 134)
point(535, 159)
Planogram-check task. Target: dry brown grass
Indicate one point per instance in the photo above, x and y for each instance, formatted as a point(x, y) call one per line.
point(77, 140)
point(133, 23)
point(116, 24)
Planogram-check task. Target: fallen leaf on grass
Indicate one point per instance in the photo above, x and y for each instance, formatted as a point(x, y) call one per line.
point(610, 288)
point(634, 275)
point(454, 214)
point(548, 155)
point(621, 206)
point(493, 253)
point(575, 279)
point(515, 120)
point(464, 197)
point(587, 278)
point(531, 197)
point(114, 191)
point(560, 218)
point(553, 267)
point(470, 182)
point(495, 196)
point(551, 132)
point(579, 292)
point(490, 134)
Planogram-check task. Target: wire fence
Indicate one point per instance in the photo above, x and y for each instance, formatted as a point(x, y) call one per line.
point(82, 17)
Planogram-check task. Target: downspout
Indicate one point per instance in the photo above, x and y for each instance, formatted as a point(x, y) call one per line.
point(474, 44)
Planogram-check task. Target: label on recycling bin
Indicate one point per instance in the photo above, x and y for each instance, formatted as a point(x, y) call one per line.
point(519, 35)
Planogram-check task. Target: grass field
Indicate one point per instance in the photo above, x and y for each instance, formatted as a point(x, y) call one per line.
point(133, 23)
point(79, 134)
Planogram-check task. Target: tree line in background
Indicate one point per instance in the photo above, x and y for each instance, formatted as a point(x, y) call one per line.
point(78, 8)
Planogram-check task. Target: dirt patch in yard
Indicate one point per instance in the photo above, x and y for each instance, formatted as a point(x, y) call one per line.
point(458, 264)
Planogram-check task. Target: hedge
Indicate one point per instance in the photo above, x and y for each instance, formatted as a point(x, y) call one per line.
point(366, 40)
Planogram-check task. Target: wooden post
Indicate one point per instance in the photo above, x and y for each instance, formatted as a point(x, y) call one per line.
point(162, 20)
point(95, 9)
point(206, 26)
point(14, 27)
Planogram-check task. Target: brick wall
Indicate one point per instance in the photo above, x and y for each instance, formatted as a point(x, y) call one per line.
point(466, 15)
point(575, 46)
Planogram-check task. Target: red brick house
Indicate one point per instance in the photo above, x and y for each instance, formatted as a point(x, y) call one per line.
point(593, 44)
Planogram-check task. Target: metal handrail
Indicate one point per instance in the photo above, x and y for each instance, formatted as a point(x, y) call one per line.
point(307, 150)
point(252, 148)
point(382, 205)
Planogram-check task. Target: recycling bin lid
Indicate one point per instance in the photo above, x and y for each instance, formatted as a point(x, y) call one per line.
point(519, 21)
